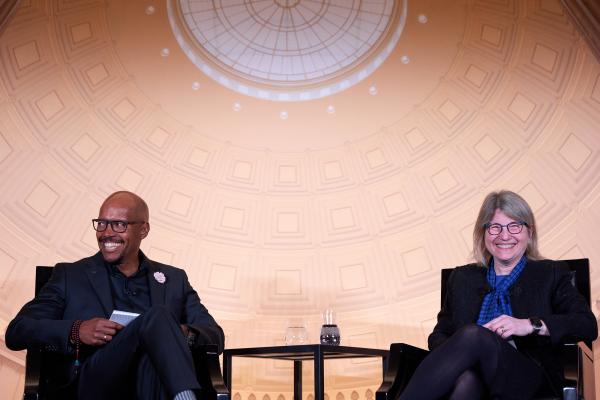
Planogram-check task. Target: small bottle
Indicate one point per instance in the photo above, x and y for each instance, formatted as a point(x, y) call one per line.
point(330, 333)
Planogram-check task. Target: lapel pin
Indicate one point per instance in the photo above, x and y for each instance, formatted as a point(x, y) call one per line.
point(160, 277)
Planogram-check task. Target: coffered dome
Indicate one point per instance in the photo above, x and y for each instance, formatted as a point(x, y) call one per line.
point(287, 50)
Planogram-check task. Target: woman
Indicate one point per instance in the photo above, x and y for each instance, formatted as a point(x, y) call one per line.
point(502, 318)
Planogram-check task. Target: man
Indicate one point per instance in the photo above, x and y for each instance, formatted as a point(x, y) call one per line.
point(99, 358)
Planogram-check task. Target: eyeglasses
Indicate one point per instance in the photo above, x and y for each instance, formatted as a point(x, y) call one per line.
point(513, 227)
point(117, 226)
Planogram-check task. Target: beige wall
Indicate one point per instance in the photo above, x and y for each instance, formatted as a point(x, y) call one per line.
point(277, 219)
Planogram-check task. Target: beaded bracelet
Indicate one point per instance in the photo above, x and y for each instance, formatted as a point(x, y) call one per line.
point(75, 339)
point(191, 338)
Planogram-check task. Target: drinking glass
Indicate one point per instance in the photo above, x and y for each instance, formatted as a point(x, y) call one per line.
point(296, 334)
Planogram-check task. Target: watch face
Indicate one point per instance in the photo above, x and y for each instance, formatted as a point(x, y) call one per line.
point(536, 323)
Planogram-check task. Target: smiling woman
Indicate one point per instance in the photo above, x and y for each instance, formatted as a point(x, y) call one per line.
point(505, 247)
point(502, 317)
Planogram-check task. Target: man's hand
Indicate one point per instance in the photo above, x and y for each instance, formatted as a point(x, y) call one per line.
point(98, 331)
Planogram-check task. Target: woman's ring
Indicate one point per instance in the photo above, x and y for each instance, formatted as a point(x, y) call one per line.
point(104, 337)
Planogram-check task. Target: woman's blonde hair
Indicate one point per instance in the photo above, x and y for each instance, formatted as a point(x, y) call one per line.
point(515, 207)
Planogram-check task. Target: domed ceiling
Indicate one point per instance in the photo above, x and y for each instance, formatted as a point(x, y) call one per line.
point(287, 50)
point(279, 209)
point(217, 66)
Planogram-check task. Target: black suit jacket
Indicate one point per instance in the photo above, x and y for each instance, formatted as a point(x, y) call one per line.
point(81, 290)
point(543, 290)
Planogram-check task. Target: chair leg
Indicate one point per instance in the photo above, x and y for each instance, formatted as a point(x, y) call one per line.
point(570, 393)
point(402, 362)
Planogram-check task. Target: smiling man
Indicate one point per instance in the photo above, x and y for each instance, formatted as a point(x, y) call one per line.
point(128, 216)
point(101, 359)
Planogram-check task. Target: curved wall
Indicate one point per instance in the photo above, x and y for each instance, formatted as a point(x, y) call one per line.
point(276, 219)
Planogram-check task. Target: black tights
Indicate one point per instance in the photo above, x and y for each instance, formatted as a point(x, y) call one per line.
point(464, 367)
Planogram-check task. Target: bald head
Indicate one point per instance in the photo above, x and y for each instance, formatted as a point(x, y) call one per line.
point(137, 205)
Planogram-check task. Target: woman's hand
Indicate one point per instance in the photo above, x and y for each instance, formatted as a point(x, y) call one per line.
point(506, 326)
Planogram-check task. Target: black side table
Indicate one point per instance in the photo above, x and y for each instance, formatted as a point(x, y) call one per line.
point(298, 353)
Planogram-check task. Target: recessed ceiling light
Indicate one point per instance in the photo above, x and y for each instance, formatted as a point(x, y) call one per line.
point(195, 85)
point(237, 106)
point(150, 10)
point(422, 18)
point(283, 115)
point(165, 52)
point(405, 59)
point(373, 90)
point(330, 109)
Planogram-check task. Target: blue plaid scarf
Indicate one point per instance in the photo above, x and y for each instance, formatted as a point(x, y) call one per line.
point(497, 302)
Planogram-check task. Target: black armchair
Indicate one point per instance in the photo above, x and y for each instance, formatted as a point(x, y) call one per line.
point(38, 364)
point(577, 357)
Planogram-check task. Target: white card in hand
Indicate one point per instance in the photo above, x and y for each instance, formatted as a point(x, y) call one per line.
point(123, 317)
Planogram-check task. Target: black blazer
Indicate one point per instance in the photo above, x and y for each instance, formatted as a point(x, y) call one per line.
point(81, 290)
point(543, 290)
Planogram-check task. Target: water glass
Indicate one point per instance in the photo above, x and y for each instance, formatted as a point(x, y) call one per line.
point(296, 334)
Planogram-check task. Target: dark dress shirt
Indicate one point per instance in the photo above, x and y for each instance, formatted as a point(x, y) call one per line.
point(130, 293)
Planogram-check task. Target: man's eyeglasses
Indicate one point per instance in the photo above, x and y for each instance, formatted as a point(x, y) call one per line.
point(117, 226)
point(513, 227)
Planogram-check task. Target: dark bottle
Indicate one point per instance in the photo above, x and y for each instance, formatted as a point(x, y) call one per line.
point(330, 333)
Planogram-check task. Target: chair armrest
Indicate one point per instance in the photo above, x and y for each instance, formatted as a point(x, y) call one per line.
point(402, 363)
point(569, 357)
point(33, 366)
point(578, 363)
point(208, 372)
point(586, 384)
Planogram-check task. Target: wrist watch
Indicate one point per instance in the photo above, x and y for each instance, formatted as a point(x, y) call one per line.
point(537, 325)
